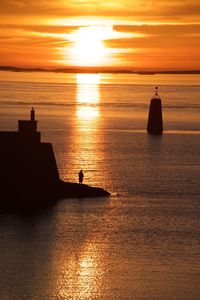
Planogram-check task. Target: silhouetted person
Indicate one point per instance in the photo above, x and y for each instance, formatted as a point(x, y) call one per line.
point(80, 176)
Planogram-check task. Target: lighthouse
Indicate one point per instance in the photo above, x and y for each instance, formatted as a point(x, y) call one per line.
point(28, 129)
point(155, 122)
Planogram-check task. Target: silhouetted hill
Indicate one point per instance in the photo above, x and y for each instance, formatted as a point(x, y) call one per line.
point(17, 69)
point(95, 70)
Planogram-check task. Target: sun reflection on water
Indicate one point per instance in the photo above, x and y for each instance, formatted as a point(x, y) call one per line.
point(87, 113)
point(81, 275)
point(81, 266)
point(85, 151)
point(87, 96)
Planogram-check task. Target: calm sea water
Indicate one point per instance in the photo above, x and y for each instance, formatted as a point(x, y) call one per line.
point(143, 241)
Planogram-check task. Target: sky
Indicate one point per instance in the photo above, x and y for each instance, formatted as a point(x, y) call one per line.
point(140, 35)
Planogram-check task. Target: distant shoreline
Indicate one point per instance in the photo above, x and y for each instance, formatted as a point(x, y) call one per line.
point(95, 70)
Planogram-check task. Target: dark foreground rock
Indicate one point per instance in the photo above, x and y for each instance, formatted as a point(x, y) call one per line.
point(24, 199)
point(75, 190)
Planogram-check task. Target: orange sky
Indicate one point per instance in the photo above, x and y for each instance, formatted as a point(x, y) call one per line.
point(138, 35)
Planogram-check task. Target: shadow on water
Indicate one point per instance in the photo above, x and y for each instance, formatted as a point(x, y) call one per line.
point(154, 142)
point(153, 166)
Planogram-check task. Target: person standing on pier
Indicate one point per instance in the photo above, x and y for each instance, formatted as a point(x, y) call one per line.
point(80, 176)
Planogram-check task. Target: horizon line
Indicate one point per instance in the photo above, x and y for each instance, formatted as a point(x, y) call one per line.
point(102, 69)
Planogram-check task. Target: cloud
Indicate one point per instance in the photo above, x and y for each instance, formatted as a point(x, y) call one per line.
point(139, 10)
point(146, 31)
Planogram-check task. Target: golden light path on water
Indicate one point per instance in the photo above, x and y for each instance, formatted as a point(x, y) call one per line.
point(86, 138)
point(81, 269)
point(81, 273)
point(87, 98)
point(85, 148)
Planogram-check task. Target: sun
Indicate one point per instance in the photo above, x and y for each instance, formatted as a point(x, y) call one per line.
point(88, 48)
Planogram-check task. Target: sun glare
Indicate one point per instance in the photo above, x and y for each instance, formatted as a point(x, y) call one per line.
point(88, 48)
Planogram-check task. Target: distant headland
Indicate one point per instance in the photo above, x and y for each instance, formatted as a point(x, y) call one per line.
point(95, 70)
point(29, 175)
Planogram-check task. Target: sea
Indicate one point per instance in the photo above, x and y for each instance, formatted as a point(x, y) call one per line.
point(142, 242)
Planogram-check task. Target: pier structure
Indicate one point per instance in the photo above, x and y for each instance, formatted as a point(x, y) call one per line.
point(29, 175)
point(28, 166)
